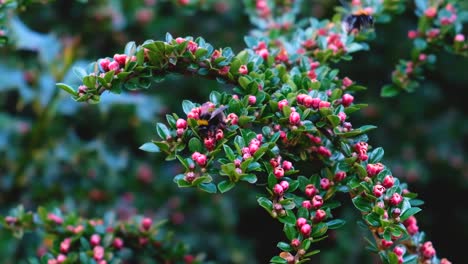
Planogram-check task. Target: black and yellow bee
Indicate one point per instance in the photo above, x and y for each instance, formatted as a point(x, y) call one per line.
point(210, 120)
point(360, 19)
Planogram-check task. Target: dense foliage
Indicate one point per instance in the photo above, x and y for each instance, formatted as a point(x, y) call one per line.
point(280, 122)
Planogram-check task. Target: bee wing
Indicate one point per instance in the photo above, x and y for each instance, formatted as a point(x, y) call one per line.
point(217, 111)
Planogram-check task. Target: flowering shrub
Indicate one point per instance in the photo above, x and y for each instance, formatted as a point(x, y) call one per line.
point(284, 124)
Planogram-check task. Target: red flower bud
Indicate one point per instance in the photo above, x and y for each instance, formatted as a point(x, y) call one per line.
point(282, 103)
point(310, 190)
point(388, 181)
point(65, 245)
point(320, 215)
point(412, 34)
point(459, 38)
point(325, 183)
point(294, 118)
point(295, 242)
point(118, 243)
point(243, 70)
point(252, 99)
point(287, 165)
point(233, 118)
point(201, 160)
point(278, 190)
point(114, 66)
point(300, 98)
point(431, 12)
point(95, 240)
point(104, 63)
point(396, 199)
point(339, 176)
point(378, 190)
point(181, 123)
point(146, 223)
point(386, 243)
point(120, 59)
point(347, 82)
point(279, 172)
point(98, 253)
point(428, 250)
point(305, 230)
point(317, 201)
point(347, 100)
point(285, 185)
point(399, 251)
point(307, 204)
point(374, 169)
point(301, 221)
point(323, 104)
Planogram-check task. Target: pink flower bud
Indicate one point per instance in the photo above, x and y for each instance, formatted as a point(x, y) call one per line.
point(310, 190)
point(180, 40)
point(347, 100)
point(118, 243)
point(55, 218)
point(279, 172)
point(325, 183)
point(181, 123)
point(195, 155)
point(378, 190)
point(190, 176)
point(294, 118)
point(295, 242)
point(114, 66)
point(252, 99)
point(61, 258)
point(339, 176)
point(120, 59)
point(224, 70)
point(282, 103)
point(104, 63)
point(347, 82)
point(412, 34)
point(428, 250)
point(219, 134)
point(317, 201)
point(422, 57)
point(431, 12)
point(192, 47)
point(98, 253)
point(323, 104)
point(201, 160)
point(374, 169)
point(308, 101)
point(233, 118)
point(412, 229)
point(301, 221)
point(342, 116)
point(278, 190)
point(396, 199)
point(386, 243)
point(209, 143)
point(216, 54)
point(287, 165)
point(307, 204)
point(445, 261)
point(263, 53)
point(388, 181)
point(95, 240)
point(300, 98)
point(52, 261)
point(10, 220)
point(65, 245)
point(459, 38)
point(243, 70)
point(399, 251)
point(305, 230)
point(324, 151)
point(320, 215)
point(146, 223)
point(285, 185)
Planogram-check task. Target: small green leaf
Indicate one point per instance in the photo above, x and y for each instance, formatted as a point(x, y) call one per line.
point(225, 186)
point(195, 145)
point(67, 88)
point(208, 187)
point(411, 211)
point(265, 203)
point(389, 90)
point(284, 246)
point(187, 106)
point(150, 147)
point(362, 204)
point(335, 223)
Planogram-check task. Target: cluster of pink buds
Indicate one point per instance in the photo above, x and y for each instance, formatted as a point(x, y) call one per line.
point(427, 250)
point(335, 44)
point(374, 169)
point(411, 225)
point(448, 20)
point(308, 101)
point(279, 168)
point(262, 8)
point(61, 258)
point(200, 159)
point(181, 125)
point(261, 49)
point(399, 251)
point(117, 64)
point(191, 45)
point(303, 226)
point(361, 149)
point(55, 218)
point(280, 188)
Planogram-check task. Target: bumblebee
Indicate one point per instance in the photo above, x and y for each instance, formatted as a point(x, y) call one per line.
point(210, 120)
point(357, 21)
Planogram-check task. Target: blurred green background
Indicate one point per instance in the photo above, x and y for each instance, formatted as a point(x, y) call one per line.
point(85, 158)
